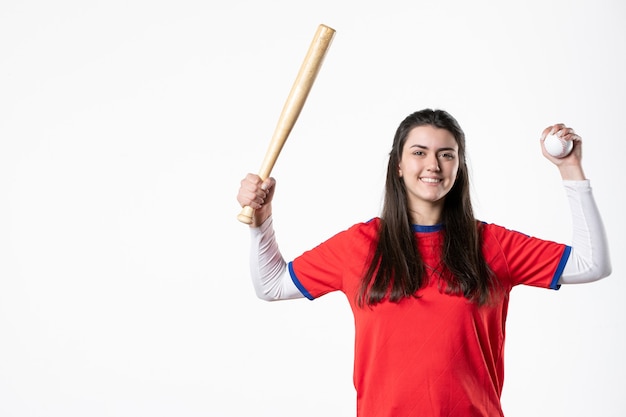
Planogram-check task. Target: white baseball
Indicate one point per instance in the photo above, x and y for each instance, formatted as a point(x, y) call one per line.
point(558, 147)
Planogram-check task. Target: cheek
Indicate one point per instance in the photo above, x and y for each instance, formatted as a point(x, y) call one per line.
point(456, 171)
point(402, 168)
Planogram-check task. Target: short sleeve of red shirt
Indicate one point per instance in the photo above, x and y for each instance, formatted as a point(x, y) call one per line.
point(323, 268)
point(523, 259)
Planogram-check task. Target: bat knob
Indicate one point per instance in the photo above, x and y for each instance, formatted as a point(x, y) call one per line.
point(246, 215)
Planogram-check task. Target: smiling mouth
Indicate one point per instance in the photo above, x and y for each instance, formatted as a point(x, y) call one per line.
point(431, 180)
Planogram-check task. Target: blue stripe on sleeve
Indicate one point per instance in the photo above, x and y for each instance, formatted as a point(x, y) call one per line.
point(559, 269)
point(298, 283)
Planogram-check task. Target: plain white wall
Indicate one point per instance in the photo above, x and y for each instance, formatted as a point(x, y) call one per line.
point(126, 126)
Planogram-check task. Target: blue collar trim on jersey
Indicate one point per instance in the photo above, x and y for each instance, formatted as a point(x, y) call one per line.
point(426, 229)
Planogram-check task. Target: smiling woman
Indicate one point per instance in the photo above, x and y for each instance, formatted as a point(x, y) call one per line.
point(427, 283)
point(427, 185)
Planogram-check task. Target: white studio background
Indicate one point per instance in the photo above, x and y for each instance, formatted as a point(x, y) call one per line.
point(126, 126)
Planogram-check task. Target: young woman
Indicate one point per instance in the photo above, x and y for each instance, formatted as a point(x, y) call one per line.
point(428, 284)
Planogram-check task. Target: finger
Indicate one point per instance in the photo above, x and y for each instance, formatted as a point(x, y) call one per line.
point(557, 129)
point(248, 198)
point(545, 133)
point(251, 183)
point(551, 130)
point(571, 135)
point(253, 179)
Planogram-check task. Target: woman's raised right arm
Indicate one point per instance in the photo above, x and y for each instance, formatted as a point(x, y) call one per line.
point(268, 269)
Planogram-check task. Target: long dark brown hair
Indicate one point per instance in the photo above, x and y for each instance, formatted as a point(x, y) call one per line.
point(396, 269)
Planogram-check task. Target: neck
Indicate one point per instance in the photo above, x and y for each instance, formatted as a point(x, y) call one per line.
point(425, 217)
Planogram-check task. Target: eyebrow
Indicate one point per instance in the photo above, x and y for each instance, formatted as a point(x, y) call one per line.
point(438, 150)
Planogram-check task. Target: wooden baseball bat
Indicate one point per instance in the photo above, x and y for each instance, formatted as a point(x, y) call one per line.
point(293, 105)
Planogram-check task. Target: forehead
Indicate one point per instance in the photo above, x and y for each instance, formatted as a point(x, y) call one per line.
point(431, 137)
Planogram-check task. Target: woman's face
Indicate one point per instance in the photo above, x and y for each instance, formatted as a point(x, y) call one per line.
point(428, 167)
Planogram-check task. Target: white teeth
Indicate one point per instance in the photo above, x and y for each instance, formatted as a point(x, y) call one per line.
point(431, 180)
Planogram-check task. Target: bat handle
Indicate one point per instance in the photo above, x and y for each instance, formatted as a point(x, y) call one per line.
point(245, 216)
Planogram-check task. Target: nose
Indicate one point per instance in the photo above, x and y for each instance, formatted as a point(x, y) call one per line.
point(433, 163)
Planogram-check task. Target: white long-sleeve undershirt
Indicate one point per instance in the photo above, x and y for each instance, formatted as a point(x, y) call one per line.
point(589, 258)
point(268, 269)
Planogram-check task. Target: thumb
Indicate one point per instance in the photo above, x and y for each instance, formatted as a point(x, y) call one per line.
point(268, 184)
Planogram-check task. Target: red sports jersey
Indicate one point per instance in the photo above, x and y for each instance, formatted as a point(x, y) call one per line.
point(439, 354)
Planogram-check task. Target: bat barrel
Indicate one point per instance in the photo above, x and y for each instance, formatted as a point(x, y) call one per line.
point(297, 96)
point(293, 105)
